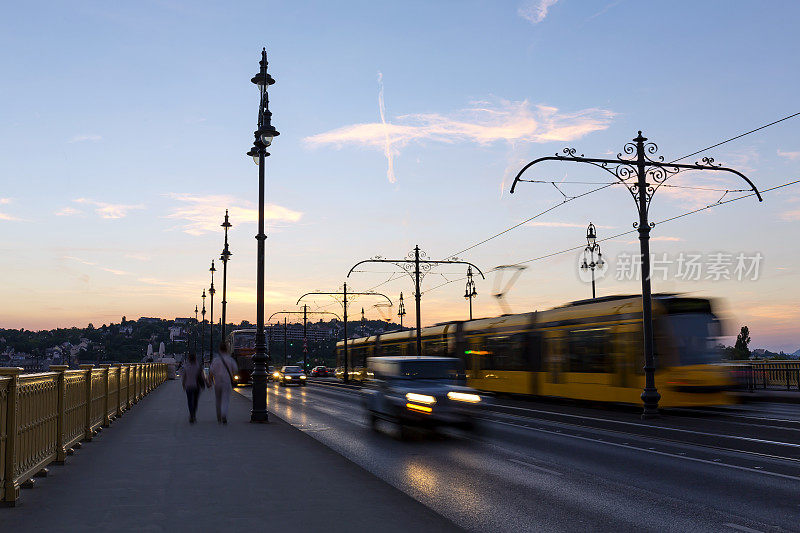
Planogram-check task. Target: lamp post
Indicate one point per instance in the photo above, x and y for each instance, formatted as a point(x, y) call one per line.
point(470, 292)
point(416, 264)
point(591, 248)
point(203, 331)
point(211, 291)
point(305, 337)
point(401, 311)
point(285, 343)
point(633, 170)
point(263, 138)
point(194, 337)
point(344, 294)
point(224, 256)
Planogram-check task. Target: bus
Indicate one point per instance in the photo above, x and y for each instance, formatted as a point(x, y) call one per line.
point(243, 346)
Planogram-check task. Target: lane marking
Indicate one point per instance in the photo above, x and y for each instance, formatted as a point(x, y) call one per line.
point(742, 528)
point(535, 467)
point(667, 454)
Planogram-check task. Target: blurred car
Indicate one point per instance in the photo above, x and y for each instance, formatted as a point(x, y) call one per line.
point(319, 372)
point(290, 375)
point(339, 373)
point(271, 372)
point(423, 392)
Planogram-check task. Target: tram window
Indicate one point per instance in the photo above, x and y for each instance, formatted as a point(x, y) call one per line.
point(506, 352)
point(434, 347)
point(588, 350)
point(693, 338)
point(391, 349)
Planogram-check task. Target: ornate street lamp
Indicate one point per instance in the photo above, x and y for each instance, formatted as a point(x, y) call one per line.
point(224, 256)
point(401, 311)
point(641, 172)
point(416, 264)
point(211, 291)
point(263, 138)
point(592, 248)
point(203, 330)
point(470, 292)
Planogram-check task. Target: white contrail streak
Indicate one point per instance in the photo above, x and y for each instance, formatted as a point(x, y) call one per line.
point(387, 147)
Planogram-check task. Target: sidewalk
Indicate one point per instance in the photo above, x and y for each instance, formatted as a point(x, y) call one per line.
point(152, 471)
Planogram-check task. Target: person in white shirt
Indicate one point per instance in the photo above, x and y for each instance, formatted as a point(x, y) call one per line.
point(222, 370)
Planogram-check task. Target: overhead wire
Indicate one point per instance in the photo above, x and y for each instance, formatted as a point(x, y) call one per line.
point(604, 185)
point(609, 184)
point(611, 237)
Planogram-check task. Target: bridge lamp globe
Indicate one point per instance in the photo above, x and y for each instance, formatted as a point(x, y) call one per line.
point(591, 236)
point(254, 154)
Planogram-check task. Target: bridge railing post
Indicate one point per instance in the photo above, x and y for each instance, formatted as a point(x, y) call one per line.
point(10, 487)
point(61, 450)
point(119, 389)
point(106, 418)
point(87, 431)
point(129, 373)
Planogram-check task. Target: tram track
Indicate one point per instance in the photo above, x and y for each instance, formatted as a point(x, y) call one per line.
point(560, 461)
point(779, 442)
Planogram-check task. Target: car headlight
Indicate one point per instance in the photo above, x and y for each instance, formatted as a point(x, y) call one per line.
point(420, 398)
point(275, 375)
point(288, 377)
point(236, 377)
point(302, 377)
point(463, 397)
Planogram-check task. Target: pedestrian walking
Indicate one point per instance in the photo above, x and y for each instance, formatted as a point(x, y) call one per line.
point(223, 368)
point(193, 382)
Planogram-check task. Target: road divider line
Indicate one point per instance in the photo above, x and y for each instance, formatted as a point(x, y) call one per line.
point(645, 450)
point(536, 467)
point(742, 528)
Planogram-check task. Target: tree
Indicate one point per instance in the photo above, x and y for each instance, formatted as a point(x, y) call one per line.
point(740, 349)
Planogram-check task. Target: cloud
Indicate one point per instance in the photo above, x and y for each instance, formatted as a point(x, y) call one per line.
point(92, 263)
point(697, 188)
point(115, 271)
point(91, 137)
point(203, 214)
point(791, 216)
point(106, 210)
point(483, 123)
point(6, 216)
point(535, 11)
point(138, 257)
point(68, 211)
point(79, 260)
point(789, 155)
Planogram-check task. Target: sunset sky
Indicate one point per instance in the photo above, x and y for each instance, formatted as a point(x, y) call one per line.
point(125, 127)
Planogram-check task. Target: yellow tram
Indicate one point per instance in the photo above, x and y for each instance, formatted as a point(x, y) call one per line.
point(587, 350)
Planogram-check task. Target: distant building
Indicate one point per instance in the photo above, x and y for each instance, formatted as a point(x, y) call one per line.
point(149, 320)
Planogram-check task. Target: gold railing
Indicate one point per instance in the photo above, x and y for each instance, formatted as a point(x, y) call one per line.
point(775, 374)
point(44, 416)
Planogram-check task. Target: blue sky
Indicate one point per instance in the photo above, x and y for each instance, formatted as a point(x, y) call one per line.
point(125, 127)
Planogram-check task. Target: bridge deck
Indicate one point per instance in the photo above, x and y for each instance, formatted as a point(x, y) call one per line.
point(152, 471)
